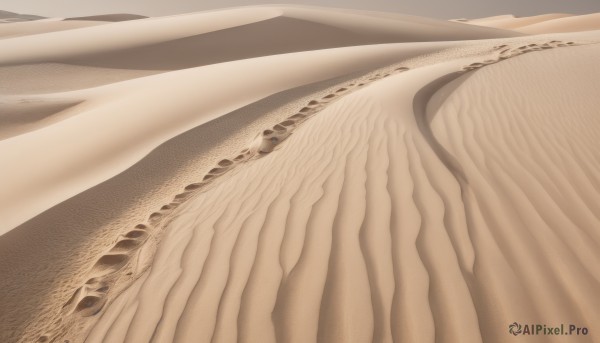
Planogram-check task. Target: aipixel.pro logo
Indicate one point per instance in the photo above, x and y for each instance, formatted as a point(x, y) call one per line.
point(516, 329)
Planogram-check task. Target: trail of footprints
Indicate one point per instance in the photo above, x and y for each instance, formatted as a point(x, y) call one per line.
point(506, 52)
point(91, 297)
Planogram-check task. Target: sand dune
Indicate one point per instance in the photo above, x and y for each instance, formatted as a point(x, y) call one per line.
point(511, 22)
point(25, 28)
point(109, 17)
point(220, 36)
point(547, 23)
point(50, 78)
point(11, 17)
point(569, 24)
point(327, 188)
point(109, 106)
point(318, 251)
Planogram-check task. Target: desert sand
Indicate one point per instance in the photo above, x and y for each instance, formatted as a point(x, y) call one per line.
point(547, 23)
point(298, 174)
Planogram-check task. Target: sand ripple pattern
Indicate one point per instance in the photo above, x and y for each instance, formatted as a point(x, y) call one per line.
point(358, 229)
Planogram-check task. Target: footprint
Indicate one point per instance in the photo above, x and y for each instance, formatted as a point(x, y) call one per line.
point(269, 139)
point(155, 216)
point(329, 96)
point(402, 69)
point(207, 177)
point(341, 90)
point(298, 116)
point(131, 240)
point(109, 264)
point(225, 163)
point(90, 305)
point(88, 299)
point(279, 128)
point(218, 171)
point(192, 186)
point(288, 123)
point(126, 245)
point(136, 234)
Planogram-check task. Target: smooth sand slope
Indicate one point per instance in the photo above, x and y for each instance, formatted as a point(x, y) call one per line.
point(197, 39)
point(547, 23)
point(25, 28)
point(310, 192)
point(511, 22)
point(131, 108)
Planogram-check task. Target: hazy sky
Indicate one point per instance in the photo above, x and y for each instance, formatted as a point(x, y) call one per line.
point(446, 9)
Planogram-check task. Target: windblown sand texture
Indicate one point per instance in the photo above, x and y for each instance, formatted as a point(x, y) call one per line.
point(298, 174)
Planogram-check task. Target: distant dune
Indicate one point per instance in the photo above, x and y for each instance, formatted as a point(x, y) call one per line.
point(547, 23)
point(220, 36)
point(110, 17)
point(568, 24)
point(8, 17)
point(33, 27)
point(298, 174)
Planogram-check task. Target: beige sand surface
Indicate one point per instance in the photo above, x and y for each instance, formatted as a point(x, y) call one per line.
point(333, 190)
point(417, 219)
point(511, 22)
point(191, 40)
point(48, 78)
point(569, 24)
point(547, 23)
point(25, 28)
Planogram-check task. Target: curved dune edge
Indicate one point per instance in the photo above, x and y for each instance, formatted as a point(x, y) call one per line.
point(587, 22)
point(230, 34)
point(546, 23)
point(115, 17)
point(124, 105)
point(104, 273)
point(130, 197)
